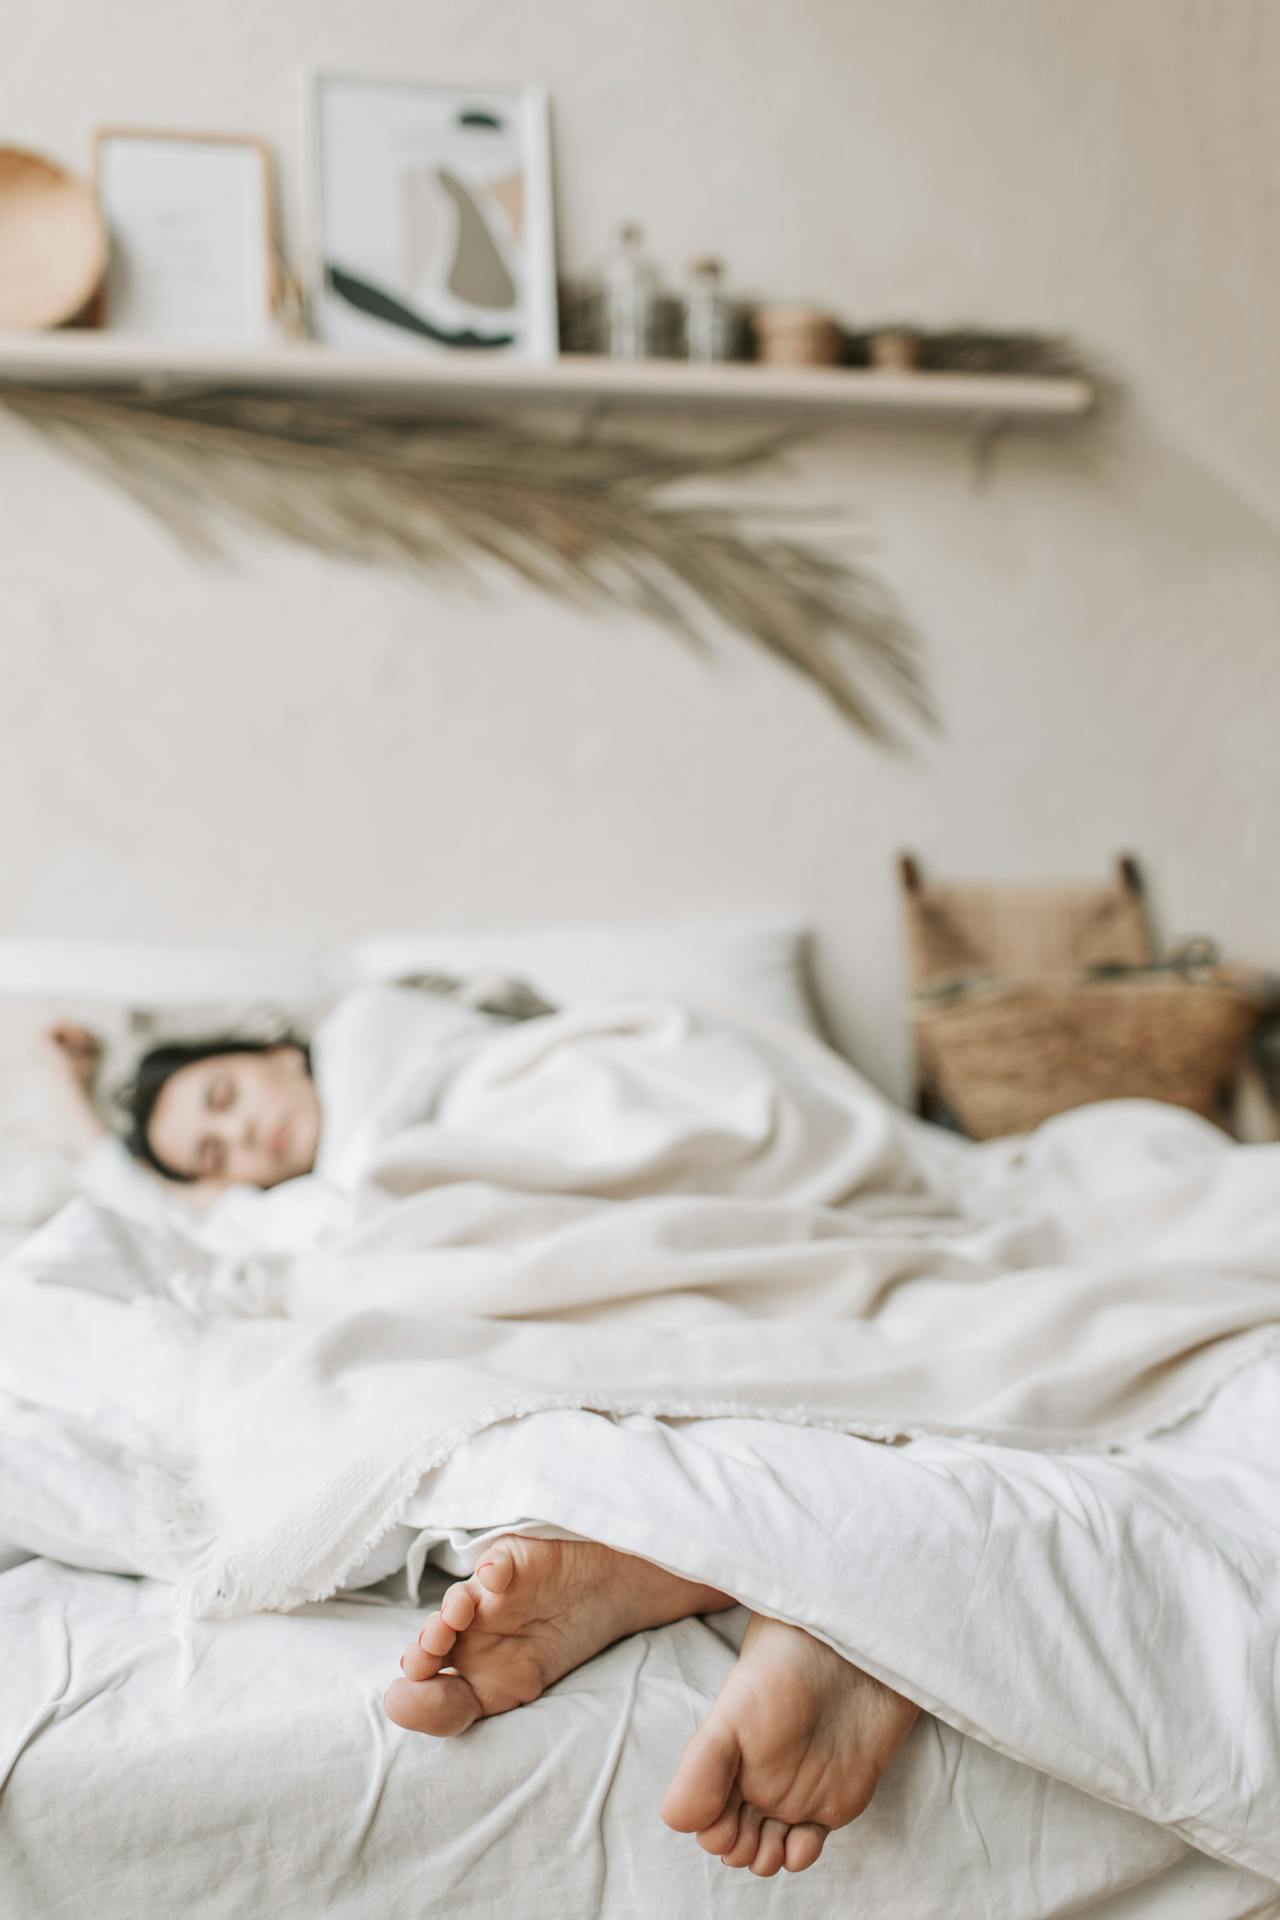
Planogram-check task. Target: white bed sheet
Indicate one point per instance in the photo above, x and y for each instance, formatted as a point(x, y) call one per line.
point(155, 1767)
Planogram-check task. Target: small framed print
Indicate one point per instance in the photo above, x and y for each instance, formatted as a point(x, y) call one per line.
point(432, 218)
point(193, 253)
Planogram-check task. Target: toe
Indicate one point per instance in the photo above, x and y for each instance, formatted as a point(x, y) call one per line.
point(719, 1837)
point(444, 1707)
point(437, 1637)
point(743, 1850)
point(769, 1853)
point(417, 1664)
point(497, 1570)
point(802, 1846)
point(703, 1782)
point(458, 1608)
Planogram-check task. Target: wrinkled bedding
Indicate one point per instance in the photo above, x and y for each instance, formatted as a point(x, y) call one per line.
point(998, 1424)
point(155, 1767)
point(1109, 1619)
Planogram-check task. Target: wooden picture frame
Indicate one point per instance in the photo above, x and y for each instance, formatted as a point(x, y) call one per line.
point(194, 251)
point(431, 217)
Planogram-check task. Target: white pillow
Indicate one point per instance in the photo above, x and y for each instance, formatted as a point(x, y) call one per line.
point(761, 964)
point(137, 973)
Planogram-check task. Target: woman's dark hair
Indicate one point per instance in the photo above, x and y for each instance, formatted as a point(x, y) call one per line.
point(138, 1096)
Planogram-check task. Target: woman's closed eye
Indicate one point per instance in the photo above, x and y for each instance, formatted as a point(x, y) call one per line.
point(221, 1093)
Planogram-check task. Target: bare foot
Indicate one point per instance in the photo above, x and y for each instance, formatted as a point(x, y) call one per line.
point(793, 1748)
point(531, 1611)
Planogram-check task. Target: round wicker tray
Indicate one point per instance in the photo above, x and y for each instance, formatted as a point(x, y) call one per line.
point(53, 242)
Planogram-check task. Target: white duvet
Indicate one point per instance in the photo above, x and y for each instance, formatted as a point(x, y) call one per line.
point(1111, 1620)
point(651, 1211)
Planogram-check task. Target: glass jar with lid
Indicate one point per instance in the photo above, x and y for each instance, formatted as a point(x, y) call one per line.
point(710, 317)
point(629, 298)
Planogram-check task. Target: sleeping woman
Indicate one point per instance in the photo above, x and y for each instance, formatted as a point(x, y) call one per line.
point(228, 1112)
point(799, 1736)
point(797, 1741)
point(403, 1092)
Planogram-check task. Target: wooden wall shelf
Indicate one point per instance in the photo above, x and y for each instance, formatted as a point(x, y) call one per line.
point(84, 359)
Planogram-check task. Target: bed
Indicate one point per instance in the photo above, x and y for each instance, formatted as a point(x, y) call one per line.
point(155, 1762)
point(246, 1768)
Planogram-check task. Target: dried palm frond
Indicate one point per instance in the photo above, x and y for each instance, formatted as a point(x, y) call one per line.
point(592, 519)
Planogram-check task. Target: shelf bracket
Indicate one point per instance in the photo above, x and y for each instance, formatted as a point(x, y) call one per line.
point(986, 430)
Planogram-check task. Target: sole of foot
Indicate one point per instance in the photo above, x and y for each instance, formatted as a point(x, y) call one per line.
point(531, 1612)
point(793, 1748)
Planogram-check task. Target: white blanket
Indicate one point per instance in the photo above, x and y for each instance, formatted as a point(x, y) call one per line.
point(664, 1209)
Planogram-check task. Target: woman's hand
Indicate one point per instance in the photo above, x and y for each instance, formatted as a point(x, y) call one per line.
point(74, 1055)
point(77, 1052)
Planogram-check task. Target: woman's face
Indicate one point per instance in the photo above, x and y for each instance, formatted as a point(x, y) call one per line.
point(249, 1119)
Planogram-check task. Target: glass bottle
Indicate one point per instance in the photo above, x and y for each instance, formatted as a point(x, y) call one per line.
point(629, 298)
point(710, 320)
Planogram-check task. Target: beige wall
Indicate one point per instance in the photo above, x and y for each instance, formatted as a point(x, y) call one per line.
point(292, 750)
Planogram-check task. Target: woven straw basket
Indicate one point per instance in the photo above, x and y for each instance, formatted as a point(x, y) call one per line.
point(1004, 1056)
point(1031, 1000)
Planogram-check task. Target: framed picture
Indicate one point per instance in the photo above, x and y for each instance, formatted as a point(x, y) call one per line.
point(432, 218)
point(190, 217)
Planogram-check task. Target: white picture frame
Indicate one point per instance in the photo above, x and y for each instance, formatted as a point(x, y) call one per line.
point(191, 223)
point(431, 218)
